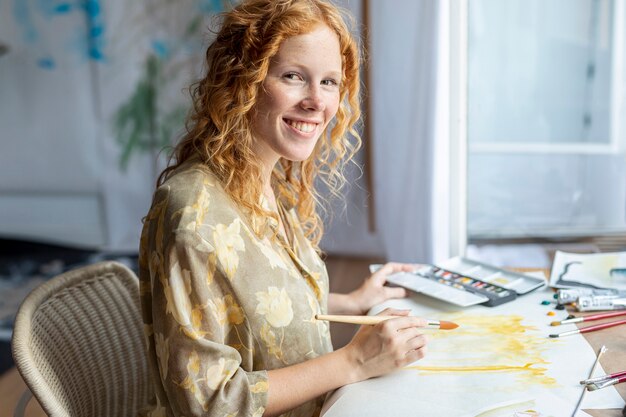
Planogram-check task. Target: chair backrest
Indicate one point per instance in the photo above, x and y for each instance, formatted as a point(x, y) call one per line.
point(78, 343)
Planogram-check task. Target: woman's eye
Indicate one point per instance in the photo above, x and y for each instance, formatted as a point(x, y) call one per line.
point(330, 82)
point(293, 76)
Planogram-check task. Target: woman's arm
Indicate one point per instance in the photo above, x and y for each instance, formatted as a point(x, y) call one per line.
point(294, 385)
point(372, 292)
point(374, 350)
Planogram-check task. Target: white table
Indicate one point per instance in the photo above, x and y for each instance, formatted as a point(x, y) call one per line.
point(498, 356)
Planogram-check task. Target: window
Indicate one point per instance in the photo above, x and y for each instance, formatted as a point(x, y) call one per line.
point(545, 118)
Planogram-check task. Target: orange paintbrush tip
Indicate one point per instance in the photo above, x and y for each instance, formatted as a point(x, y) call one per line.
point(447, 325)
point(571, 319)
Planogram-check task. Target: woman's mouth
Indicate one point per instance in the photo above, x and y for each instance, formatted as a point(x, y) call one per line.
point(304, 127)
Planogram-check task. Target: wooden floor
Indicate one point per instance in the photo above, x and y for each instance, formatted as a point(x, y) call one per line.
point(346, 274)
point(11, 389)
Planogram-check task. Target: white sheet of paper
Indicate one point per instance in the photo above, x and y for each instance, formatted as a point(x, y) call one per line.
point(604, 270)
point(497, 356)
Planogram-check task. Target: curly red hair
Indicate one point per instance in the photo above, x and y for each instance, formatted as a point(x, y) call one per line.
point(219, 125)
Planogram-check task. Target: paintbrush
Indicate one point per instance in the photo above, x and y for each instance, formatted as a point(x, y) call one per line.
point(589, 318)
point(590, 328)
point(602, 378)
point(371, 320)
point(601, 352)
point(599, 385)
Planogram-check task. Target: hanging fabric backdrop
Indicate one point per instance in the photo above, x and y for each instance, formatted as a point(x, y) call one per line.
point(93, 89)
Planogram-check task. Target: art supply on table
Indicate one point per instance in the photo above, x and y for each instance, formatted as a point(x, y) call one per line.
point(609, 382)
point(589, 318)
point(600, 302)
point(372, 320)
point(590, 328)
point(465, 282)
point(570, 295)
point(602, 378)
point(588, 270)
point(601, 352)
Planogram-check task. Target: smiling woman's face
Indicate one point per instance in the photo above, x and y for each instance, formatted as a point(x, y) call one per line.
point(300, 97)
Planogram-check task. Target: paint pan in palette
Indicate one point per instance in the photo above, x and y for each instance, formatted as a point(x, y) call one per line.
point(465, 282)
point(520, 283)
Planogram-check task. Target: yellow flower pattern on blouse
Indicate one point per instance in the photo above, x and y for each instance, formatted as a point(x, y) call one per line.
point(221, 305)
point(177, 288)
point(261, 386)
point(163, 353)
point(228, 242)
point(272, 256)
point(196, 212)
point(273, 344)
point(220, 373)
point(191, 381)
point(275, 305)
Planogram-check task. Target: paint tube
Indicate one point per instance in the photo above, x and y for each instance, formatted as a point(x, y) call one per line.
point(570, 295)
point(600, 302)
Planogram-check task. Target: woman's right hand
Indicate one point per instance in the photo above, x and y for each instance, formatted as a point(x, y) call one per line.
point(389, 345)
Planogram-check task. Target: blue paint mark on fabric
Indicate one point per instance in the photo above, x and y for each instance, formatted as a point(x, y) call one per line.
point(51, 8)
point(63, 8)
point(96, 29)
point(92, 7)
point(29, 13)
point(160, 48)
point(96, 54)
point(21, 13)
point(47, 63)
point(211, 6)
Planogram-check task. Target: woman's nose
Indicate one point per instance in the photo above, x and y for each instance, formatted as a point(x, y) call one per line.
point(313, 100)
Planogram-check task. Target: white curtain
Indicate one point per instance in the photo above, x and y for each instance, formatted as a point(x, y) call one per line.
point(409, 119)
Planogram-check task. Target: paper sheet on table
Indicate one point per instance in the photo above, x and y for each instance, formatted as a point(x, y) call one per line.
point(524, 407)
point(344, 405)
point(497, 355)
point(603, 270)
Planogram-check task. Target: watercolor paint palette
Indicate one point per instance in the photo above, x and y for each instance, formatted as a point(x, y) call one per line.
point(464, 282)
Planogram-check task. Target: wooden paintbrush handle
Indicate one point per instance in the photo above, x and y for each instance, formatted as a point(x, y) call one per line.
point(368, 320)
point(372, 320)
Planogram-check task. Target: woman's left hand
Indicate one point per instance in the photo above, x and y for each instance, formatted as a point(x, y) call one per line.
point(373, 291)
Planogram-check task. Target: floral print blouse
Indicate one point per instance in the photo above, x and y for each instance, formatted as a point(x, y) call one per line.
point(220, 305)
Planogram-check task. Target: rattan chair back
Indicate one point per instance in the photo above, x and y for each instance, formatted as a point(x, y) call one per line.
point(78, 343)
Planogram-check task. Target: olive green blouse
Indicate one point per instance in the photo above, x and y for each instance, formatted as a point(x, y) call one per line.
point(220, 305)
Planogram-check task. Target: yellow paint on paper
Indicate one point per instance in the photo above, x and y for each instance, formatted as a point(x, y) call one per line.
point(486, 343)
point(494, 368)
point(512, 409)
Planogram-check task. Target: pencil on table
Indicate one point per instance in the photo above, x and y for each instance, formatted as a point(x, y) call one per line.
point(372, 320)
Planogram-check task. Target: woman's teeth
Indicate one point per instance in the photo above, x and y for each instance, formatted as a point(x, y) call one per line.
point(302, 126)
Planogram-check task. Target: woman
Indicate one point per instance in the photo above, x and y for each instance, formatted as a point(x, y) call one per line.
point(230, 271)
